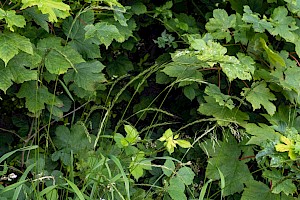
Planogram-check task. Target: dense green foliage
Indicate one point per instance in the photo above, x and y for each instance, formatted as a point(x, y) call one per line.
point(140, 99)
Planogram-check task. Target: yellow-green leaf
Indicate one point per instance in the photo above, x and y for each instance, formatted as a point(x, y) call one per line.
point(184, 143)
point(53, 8)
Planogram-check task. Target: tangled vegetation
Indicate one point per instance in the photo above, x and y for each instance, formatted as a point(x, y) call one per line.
point(141, 99)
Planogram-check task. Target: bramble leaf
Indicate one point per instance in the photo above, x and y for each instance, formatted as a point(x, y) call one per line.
point(259, 95)
point(36, 97)
point(169, 167)
point(11, 44)
point(139, 164)
point(221, 23)
point(258, 190)
point(186, 175)
point(176, 189)
point(53, 8)
point(87, 75)
point(12, 19)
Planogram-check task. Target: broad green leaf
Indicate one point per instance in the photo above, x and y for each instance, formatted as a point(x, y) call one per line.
point(12, 19)
point(58, 58)
point(120, 66)
point(283, 25)
point(138, 8)
point(16, 72)
point(223, 114)
point(291, 79)
point(185, 65)
point(221, 23)
point(223, 100)
point(36, 97)
point(87, 75)
point(261, 134)
point(259, 25)
point(259, 95)
point(274, 58)
point(189, 92)
point(241, 29)
point(259, 191)
point(76, 139)
point(176, 189)
point(53, 8)
point(186, 175)
point(169, 167)
point(119, 16)
point(104, 32)
point(74, 28)
point(139, 164)
point(38, 17)
point(11, 44)
point(125, 31)
point(224, 156)
point(182, 23)
point(242, 69)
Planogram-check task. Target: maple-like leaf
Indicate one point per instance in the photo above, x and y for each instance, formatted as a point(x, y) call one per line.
point(223, 114)
point(259, 95)
point(223, 100)
point(36, 97)
point(243, 68)
point(12, 19)
point(58, 58)
point(221, 23)
point(283, 25)
point(262, 134)
point(291, 79)
point(259, 25)
point(87, 75)
point(104, 32)
point(11, 44)
point(53, 8)
point(225, 157)
point(16, 72)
